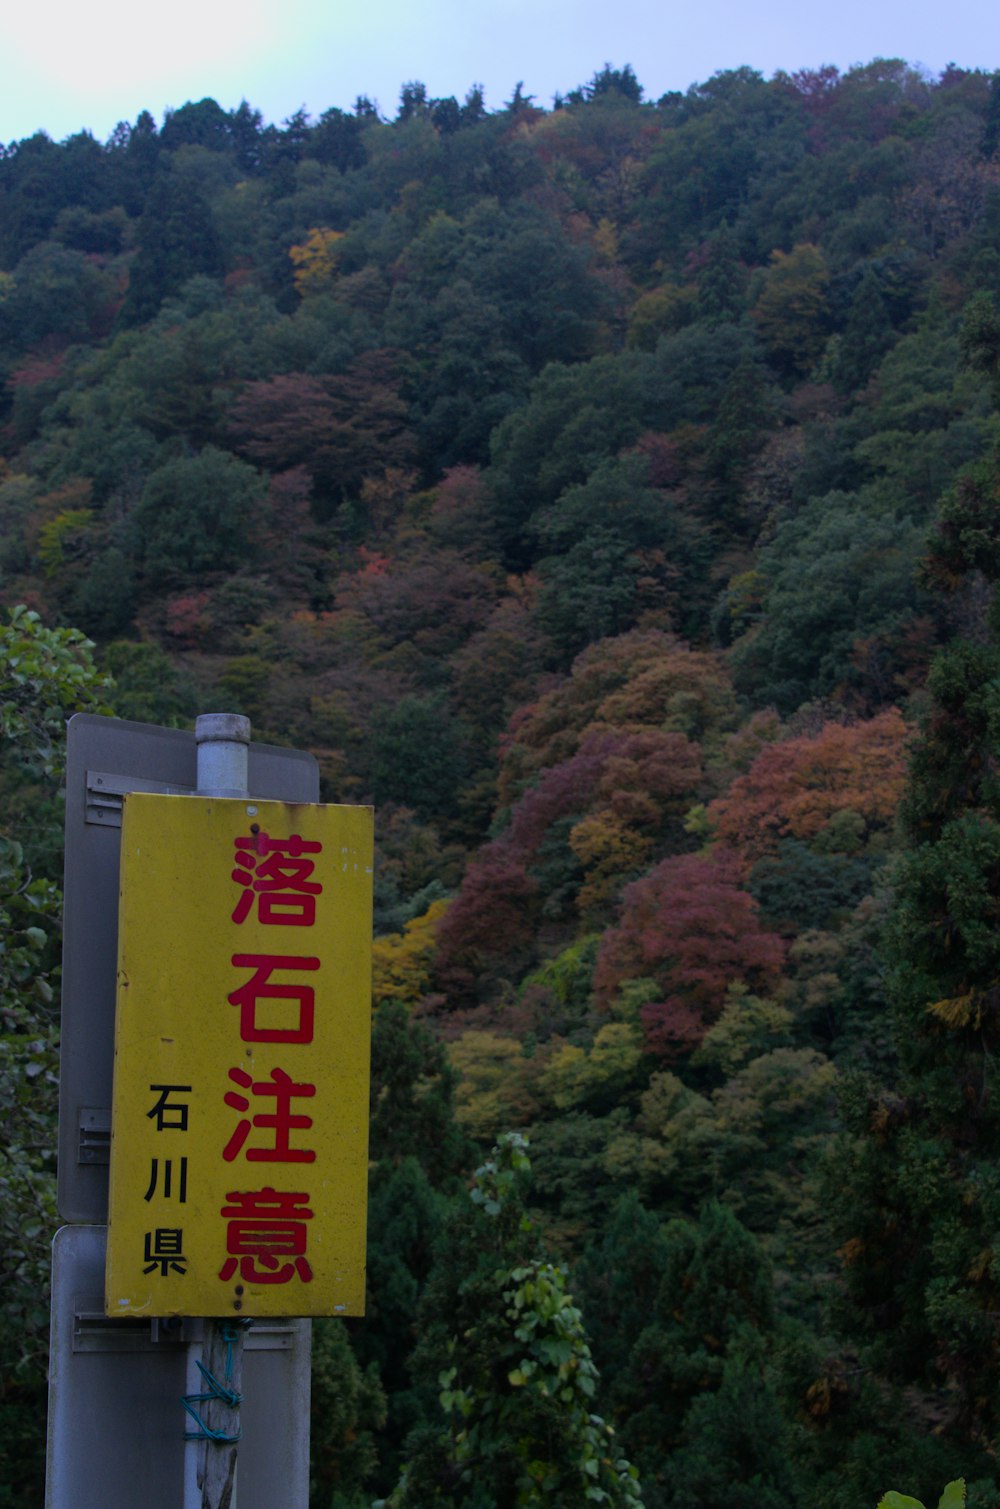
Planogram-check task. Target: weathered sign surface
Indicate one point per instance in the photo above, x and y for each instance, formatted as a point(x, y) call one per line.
point(240, 1104)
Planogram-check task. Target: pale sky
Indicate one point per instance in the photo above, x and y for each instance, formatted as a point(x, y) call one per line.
point(66, 66)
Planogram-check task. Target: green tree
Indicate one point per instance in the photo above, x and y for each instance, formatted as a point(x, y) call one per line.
point(516, 1376)
point(618, 1279)
point(615, 549)
point(419, 756)
point(615, 81)
point(196, 514)
point(148, 686)
point(412, 1109)
point(699, 172)
point(980, 336)
point(405, 1219)
point(177, 241)
point(834, 578)
point(738, 433)
point(418, 1152)
point(917, 1176)
point(722, 280)
point(45, 676)
point(346, 1407)
point(696, 1396)
point(867, 336)
point(55, 291)
point(792, 311)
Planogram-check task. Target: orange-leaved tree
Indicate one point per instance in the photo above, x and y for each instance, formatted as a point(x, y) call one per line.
point(796, 789)
point(644, 679)
point(315, 260)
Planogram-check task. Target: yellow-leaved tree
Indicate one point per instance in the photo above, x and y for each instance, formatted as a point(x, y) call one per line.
point(315, 260)
point(401, 962)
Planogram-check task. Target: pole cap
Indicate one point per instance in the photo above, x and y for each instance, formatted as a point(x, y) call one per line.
point(212, 728)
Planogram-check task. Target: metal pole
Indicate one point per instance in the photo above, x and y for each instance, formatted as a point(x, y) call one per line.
point(223, 741)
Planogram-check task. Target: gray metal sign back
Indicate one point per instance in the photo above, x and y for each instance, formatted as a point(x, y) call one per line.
point(115, 1419)
point(107, 757)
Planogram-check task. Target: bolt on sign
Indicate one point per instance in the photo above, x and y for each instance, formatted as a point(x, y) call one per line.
point(239, 1151)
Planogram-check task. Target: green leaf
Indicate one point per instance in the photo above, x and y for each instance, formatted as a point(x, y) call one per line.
point(953, 1496)
point(894, 1500)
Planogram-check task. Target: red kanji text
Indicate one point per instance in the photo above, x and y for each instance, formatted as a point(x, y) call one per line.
point(276, 876)
point(260, 987)
point(266, 1236)
point(280, 1122)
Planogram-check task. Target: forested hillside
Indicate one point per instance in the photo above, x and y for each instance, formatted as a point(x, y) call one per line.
point(610, 494)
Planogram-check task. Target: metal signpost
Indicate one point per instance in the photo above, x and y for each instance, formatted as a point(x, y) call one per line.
point(105, 758)
point(244, 1051)
point(116, 1420)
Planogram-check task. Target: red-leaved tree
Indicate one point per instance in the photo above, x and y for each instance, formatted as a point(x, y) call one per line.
point(689, 927)
point(601, 812)
point(344, 428)
point(487, 932)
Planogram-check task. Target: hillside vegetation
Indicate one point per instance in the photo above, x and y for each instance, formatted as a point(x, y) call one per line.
point(610, 494)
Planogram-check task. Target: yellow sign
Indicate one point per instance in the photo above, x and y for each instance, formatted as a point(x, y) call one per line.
point(239, 1152)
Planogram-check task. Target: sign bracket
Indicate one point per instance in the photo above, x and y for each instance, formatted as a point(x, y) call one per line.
point(105, 792)
point(94, 1145)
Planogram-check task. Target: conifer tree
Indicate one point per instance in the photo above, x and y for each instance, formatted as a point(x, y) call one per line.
point(690, 1384)
point(921, 1177)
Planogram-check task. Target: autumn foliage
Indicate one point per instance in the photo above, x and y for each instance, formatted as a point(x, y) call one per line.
point(688, 927)
point(643, 679)
point(343, 428)
point(563, 480)
point(796, 788)
point(592, 821)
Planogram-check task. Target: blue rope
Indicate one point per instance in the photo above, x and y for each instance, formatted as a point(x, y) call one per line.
point(216, 1390)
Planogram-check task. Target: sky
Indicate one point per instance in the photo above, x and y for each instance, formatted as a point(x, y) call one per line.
point(66, 66)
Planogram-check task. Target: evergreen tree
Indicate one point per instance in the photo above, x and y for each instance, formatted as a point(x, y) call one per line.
point(698, 1410)
point(417, 1150)
point(177, 240)
point(867, 335)
point(346, 1406)
point(618, 1279)
point(412, 1098)
point(722, 280)
point(991, 126)
point(920, 1177)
